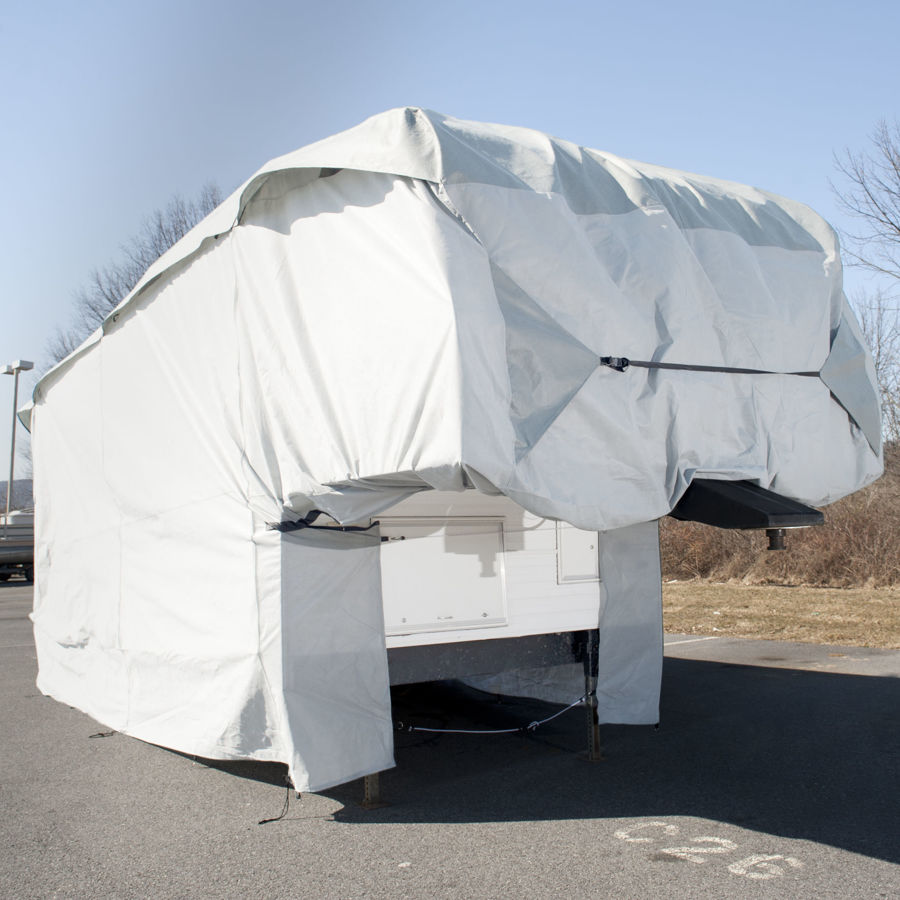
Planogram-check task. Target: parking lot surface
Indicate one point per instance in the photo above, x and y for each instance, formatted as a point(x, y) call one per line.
point(774, 773)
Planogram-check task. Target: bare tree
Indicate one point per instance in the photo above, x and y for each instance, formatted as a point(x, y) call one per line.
point(872, 198)
point(108, 286)
point(880, 323)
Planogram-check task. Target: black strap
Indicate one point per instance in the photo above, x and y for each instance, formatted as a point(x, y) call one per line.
point(621, 363)
point(307, 522)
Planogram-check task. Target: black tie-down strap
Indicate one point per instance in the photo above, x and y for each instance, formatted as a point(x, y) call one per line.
point(621, 363)
point(307, 522)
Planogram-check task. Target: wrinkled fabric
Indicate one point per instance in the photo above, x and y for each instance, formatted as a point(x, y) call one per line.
point(418, 303)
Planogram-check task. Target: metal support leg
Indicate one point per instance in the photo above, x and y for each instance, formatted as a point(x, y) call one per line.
point(595, 751)
point(372, 792)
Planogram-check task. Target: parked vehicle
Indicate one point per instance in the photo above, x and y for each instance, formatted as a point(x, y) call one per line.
point(372, 422)
point(17, 545)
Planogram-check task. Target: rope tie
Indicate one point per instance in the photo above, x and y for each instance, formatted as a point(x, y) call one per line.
point(522, 729)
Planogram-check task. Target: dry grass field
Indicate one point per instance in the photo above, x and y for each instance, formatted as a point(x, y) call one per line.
point(857, 547)
point(835, 584)
point(862, 617)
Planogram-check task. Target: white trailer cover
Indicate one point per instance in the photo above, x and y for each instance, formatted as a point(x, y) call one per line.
point(418, 302)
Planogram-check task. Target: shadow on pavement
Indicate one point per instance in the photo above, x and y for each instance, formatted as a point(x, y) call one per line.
point(805, 755)
point(799, 754)
point(251, 769)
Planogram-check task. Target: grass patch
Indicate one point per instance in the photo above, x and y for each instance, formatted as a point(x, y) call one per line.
point(860, 617)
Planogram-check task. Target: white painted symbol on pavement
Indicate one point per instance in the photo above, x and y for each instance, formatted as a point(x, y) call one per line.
point(625, 834)
point(693, 854)
point(765, 862)
point(759, 866)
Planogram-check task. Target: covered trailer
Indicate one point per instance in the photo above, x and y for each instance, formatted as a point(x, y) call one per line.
point(490, 359)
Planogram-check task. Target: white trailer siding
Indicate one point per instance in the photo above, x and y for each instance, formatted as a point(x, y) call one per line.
point(539, 590)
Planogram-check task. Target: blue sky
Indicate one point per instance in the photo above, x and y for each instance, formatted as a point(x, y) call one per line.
point(110, 108)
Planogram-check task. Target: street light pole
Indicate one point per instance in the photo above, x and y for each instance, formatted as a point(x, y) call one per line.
point(20, 365)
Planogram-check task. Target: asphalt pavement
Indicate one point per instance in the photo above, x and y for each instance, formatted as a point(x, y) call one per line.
point(774, 773)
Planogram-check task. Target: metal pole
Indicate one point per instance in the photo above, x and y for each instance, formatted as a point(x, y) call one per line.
point(591, 652)
point(12, 455)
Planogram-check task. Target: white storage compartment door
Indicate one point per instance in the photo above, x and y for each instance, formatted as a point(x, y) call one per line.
point(442, 574)
point(577, 554)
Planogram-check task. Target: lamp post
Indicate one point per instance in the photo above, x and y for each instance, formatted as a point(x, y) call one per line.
point(20, 365)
